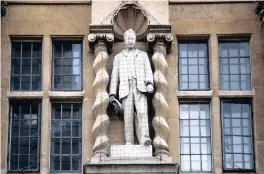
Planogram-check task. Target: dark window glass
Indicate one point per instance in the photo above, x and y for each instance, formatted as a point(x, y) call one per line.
point(195, 137)
point(66, 141)
point(67, 66)
point(237, 140)
point(193, 66)
point(26, 66)
point(24, 137)
point(235, 73)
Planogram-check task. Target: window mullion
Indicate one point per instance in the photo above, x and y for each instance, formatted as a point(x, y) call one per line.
point(38, 135)
point(10, 137)
point(19, 136)
point(61, 137)
point(62, 66)
point(20, 80)
point(31, 65)
point(29, 154)
point(71, 137)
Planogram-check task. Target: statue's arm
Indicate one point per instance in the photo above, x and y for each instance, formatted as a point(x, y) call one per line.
point(114, 78)
point(148, 71)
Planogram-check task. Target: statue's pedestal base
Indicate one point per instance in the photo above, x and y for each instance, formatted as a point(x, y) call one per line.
point(130, 164)
point(131, 151)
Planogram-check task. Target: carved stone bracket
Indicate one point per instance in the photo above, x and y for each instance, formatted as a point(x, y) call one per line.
point(160, 44)
point(3, 8)
point(101, 42)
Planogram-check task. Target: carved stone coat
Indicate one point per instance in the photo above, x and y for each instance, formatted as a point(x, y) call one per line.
point(119, 75)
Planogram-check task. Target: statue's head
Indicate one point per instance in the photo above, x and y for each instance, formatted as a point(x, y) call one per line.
point(130, 39)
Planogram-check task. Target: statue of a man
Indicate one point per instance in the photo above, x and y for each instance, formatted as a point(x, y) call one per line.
point(133, 75)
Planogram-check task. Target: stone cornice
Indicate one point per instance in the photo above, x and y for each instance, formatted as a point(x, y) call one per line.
point(49, 1)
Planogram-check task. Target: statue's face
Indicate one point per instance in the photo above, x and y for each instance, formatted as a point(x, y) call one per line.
point(130, 41)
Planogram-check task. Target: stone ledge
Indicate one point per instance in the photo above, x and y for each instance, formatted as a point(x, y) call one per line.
point(194, 94)
point(66, 95)
point(233, 94)
point(25, 95)
point(127, 165)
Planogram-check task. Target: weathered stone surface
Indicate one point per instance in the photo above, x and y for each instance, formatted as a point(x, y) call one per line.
point(124, 165)
point(130, 151)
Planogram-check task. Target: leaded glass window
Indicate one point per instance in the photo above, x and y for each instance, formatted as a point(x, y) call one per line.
point(66, 138)
point(67, 66)
point(237, 138)
point(193, 66)
point(24, 137)
point(235, 71)
point(26, 66)
point(195, 137)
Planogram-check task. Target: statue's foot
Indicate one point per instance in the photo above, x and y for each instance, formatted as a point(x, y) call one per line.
point(147, 141)
point(128, 143)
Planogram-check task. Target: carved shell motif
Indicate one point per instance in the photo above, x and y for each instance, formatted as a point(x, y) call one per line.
point(130, 16)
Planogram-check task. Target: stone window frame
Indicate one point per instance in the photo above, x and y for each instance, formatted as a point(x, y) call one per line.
point(246, 101)
point(53, 74)
point(52, 149)
point(208, 119)
point(19, 74)
point(247, 58)
point(20, 103)
point(197, 41)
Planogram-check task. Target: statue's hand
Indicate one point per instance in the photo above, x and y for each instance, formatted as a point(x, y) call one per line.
point(112, 97)
point(150, 88)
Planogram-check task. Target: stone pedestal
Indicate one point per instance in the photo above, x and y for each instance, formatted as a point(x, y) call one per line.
point(128, 165)
point(131, 151)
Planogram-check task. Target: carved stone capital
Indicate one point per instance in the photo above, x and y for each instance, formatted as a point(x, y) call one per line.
point(159, 41)
point(101, 37)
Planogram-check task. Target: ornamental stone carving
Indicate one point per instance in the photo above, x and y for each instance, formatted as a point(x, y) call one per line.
point(101, 44)
point(160, 44)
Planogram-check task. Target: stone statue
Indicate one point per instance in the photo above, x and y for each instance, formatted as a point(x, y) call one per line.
point(133, 75)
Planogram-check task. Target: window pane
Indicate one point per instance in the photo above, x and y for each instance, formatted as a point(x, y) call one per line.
point(195, 137)
point(66, 149)
point(26, 66)
point(24, 137)
point(235, 63)
point(237, 135)
point(67, 66)
point(193, 66)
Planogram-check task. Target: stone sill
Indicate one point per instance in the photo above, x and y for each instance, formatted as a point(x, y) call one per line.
point(25, 95)
point(66, 94)
point(195, 94)
point(209, 1)
point(48, 1)
point(233, 94)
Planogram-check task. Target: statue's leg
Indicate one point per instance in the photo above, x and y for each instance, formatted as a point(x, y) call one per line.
point(128, 105)
point(142, 118)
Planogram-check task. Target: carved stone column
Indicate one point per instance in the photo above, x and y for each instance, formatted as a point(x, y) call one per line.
point(160, 44)
point(101, 43)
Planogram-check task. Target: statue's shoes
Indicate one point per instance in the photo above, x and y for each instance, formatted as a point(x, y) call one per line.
point(147, 141)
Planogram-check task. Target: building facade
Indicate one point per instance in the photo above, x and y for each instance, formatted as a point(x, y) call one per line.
point(53, 83)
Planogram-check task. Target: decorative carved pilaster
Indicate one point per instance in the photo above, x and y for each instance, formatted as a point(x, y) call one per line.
point(160, 44)
point(101, 44)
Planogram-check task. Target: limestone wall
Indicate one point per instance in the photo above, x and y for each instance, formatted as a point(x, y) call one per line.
point(212, 20)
